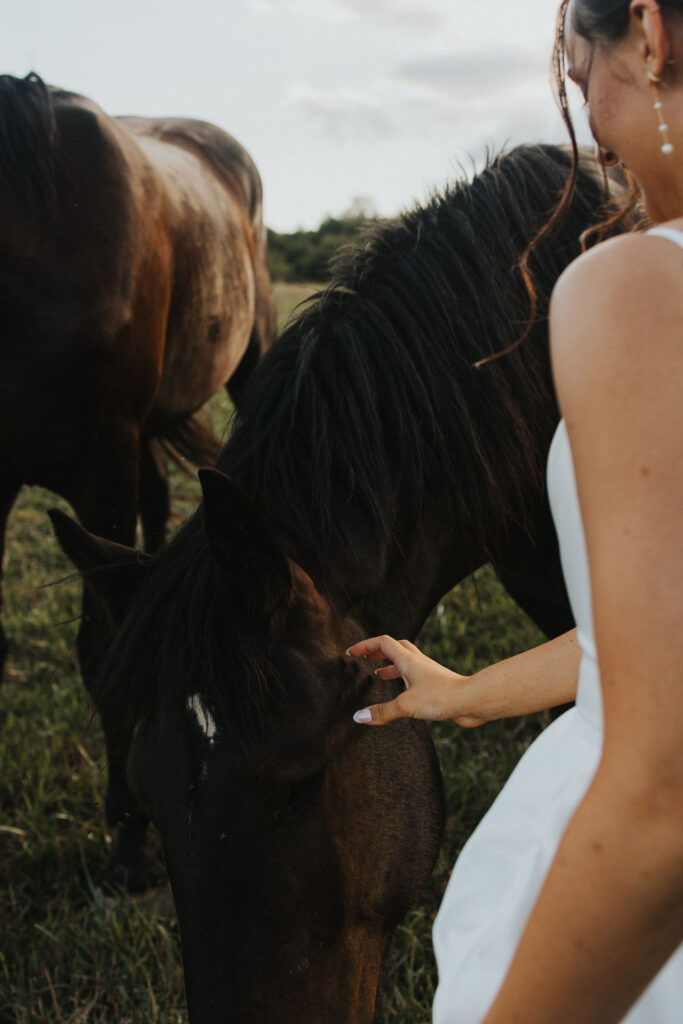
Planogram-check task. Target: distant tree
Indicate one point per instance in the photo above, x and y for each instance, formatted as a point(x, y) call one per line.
point(307, 255)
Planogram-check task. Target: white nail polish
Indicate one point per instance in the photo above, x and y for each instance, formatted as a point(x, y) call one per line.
point(363, 717)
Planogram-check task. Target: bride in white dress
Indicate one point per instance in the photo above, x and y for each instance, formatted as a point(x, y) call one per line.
point(566, 905)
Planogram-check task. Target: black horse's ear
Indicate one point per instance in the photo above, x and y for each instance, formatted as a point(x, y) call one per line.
point(242, 543)
point(112, 572)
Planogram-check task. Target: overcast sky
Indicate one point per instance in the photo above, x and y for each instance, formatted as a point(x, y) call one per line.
point(334, 99)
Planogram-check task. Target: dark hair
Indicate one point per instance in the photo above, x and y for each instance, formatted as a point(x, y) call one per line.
point(606, 19)
point(595, 20)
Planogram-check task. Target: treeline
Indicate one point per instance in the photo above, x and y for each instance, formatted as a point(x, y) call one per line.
point(307, 255)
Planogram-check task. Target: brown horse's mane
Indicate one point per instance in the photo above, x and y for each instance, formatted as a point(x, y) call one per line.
point(368, 407)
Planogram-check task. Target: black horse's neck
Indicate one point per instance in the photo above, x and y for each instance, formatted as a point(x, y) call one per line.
point(389, 466)
point(392, 587)
point(386, 565)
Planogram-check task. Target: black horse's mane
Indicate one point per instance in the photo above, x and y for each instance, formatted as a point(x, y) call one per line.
point(368, 403)
point(28, 143)
point(370, 398)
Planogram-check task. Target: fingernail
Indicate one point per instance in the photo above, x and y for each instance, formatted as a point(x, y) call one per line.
point(363, 717)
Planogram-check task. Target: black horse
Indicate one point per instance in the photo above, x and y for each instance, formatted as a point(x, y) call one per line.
point(372, 468)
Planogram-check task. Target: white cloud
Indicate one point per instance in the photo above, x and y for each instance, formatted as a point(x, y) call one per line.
point(391, 13)
point(470, 76)
point(345, 113)
point(397, 12)
point(320, 9)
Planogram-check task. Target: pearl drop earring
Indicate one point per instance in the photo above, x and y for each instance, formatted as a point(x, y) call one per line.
point(663, 128)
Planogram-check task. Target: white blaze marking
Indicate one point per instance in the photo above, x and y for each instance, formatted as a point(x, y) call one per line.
point(203, 716)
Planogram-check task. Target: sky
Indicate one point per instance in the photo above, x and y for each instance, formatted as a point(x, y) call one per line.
point(336, 100)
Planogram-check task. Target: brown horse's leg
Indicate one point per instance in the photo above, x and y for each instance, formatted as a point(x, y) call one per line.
point(8, 492)
point(155, 506)
point(107, 506)
point(263, 332)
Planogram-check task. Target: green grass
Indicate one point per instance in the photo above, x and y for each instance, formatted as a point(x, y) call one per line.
point(68, 954)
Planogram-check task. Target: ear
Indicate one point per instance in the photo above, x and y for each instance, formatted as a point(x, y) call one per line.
point(112, 572)
point(656, 42)
point(242, 543)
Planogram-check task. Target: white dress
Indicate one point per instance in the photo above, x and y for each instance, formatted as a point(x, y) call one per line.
point(501, 869)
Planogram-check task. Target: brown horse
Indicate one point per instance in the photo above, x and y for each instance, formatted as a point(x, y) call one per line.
point(133, 285)
point(373, 467)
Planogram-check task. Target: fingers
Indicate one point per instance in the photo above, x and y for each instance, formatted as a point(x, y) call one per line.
point(383, 648)
point(380, 648)
point(410, 647)
point(381, 714)
point(388, 673)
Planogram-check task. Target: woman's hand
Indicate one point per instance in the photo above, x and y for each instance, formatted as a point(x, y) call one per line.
point(540, 678)
point(432, 693)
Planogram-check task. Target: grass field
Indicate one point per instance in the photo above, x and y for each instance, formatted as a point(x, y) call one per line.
point(68, 954)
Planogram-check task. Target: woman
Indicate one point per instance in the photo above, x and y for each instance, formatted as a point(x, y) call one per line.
point(566, 905)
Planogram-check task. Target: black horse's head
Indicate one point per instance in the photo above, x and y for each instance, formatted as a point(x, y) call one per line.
point(294, 840)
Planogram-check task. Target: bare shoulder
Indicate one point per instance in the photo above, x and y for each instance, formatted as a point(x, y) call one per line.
point(622, 269)
point(617, 314)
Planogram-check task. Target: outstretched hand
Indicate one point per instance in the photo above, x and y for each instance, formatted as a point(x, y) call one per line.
point(433, 693)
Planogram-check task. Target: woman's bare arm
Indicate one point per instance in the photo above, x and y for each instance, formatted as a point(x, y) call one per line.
point(540, 678)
